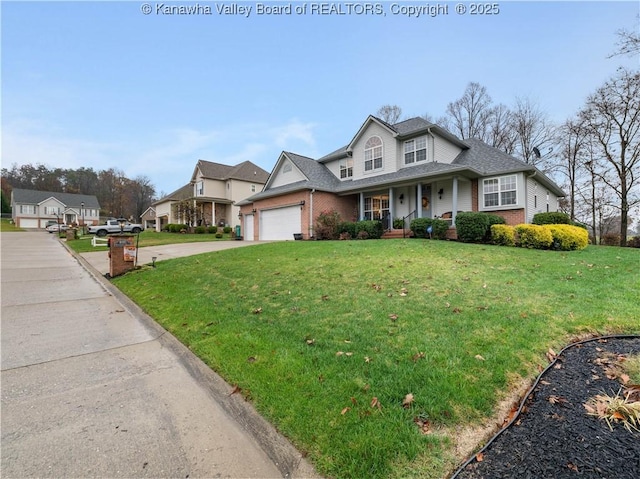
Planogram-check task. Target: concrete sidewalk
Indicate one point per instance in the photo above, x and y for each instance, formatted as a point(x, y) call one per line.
point(91, 387)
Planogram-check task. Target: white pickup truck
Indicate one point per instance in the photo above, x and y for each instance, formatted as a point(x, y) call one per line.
point(113, 227)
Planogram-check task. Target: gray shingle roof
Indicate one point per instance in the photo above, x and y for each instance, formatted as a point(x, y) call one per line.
point(180, 194)
point(246, 171)
point(68, 199)
point(488, 160)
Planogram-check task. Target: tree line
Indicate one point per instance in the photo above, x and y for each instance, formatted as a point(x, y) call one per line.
point(594, 155)
point(117, 194)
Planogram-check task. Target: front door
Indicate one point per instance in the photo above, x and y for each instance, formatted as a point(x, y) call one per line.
point(426, 201)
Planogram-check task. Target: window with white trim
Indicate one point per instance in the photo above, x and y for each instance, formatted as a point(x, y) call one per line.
point(415, 150)
point(500, 191)
point(373, 154)
point(346, 168)
point(200, 188)
point(28, 209)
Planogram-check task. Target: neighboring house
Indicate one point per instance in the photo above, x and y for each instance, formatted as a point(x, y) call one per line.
point(213, 192)
point(148, 218)
point(412, 169)
point(34, 209)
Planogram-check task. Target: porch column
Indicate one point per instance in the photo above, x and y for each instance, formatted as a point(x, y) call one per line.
point(361, 213)
point(454, 202)
point(419, 204)
point(392, 208)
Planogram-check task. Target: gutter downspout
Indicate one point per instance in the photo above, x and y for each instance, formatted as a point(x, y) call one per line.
point(526, 196)
point(311, 213)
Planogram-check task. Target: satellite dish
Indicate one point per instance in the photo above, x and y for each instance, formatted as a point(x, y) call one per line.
point(536, 151)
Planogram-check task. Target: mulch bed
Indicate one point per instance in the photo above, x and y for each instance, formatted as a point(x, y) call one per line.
point(553, 436)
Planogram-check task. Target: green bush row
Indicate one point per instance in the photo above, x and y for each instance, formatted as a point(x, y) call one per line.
point(476, 227)
point(420, 228)
point(178, 228)
point(365, 229)
point(563, 237)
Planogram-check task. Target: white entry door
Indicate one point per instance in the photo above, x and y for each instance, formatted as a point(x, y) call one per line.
point(247, 233)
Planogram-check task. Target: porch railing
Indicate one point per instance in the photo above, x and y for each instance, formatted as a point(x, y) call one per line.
point(410, 216)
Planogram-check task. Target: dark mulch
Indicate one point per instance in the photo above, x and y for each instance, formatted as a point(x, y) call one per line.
point(553, 437)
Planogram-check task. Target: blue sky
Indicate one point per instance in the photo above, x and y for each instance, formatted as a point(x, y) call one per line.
point(100, 84)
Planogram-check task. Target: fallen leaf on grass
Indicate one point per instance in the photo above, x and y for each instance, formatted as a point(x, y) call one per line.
point(551, 355)
point(393, 317)
point(236, 389)
point(480, 457)
point(423, 425)
point(257, 311)
point(375, 403)
point(408, 399)
point(345, 410)
point(479, 358)
point(417, 356)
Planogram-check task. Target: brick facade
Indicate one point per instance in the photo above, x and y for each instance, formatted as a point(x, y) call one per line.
point(346, 206)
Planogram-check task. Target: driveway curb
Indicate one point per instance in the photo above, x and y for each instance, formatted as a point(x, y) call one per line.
point(284, 455)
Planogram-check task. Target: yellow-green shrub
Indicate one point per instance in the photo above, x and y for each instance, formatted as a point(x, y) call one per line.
point(567, 237)
point(503, 235)
point(533, 236)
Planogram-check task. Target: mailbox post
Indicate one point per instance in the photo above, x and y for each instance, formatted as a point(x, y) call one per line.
point(122, 254)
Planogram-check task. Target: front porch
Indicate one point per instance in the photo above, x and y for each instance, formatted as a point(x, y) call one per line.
point(397, 206)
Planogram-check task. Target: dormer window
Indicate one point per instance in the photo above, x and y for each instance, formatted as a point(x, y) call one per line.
point(415, 150)
point(346, 168)
point(373, 154)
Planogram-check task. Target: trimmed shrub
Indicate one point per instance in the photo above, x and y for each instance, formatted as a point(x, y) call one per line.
point(347, 228)
point(503, 235)
point(439, 228)
point(176, 228)
point(212, 229)
point(200, 230)
point(476, 227)
point(226, 230)
point(533, 236)
point(568, 237)
point(551, 218)
point(362, 235)
point(327, 225)
point(218, 235)
point(398, 223)
point(373, 228)
point(345, 236)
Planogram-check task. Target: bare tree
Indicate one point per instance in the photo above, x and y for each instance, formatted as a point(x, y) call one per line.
point(500, 133)
point(572, 140)
point(628, 42)
point(534, 133)
point(470, 114)
point(612, 117)
point(389, 113)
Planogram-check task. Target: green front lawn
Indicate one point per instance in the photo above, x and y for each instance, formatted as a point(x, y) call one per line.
point(329, 339)
point(6, 226)
point(149, 238)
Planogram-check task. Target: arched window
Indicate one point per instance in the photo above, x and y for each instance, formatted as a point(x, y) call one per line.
point(373, 154)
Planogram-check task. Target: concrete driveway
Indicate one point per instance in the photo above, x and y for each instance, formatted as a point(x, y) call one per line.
point(91, 387)
point(100, 260)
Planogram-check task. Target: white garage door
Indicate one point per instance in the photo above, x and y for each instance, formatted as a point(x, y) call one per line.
point(28, 223)
point(247, 235)
point(280, 223)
